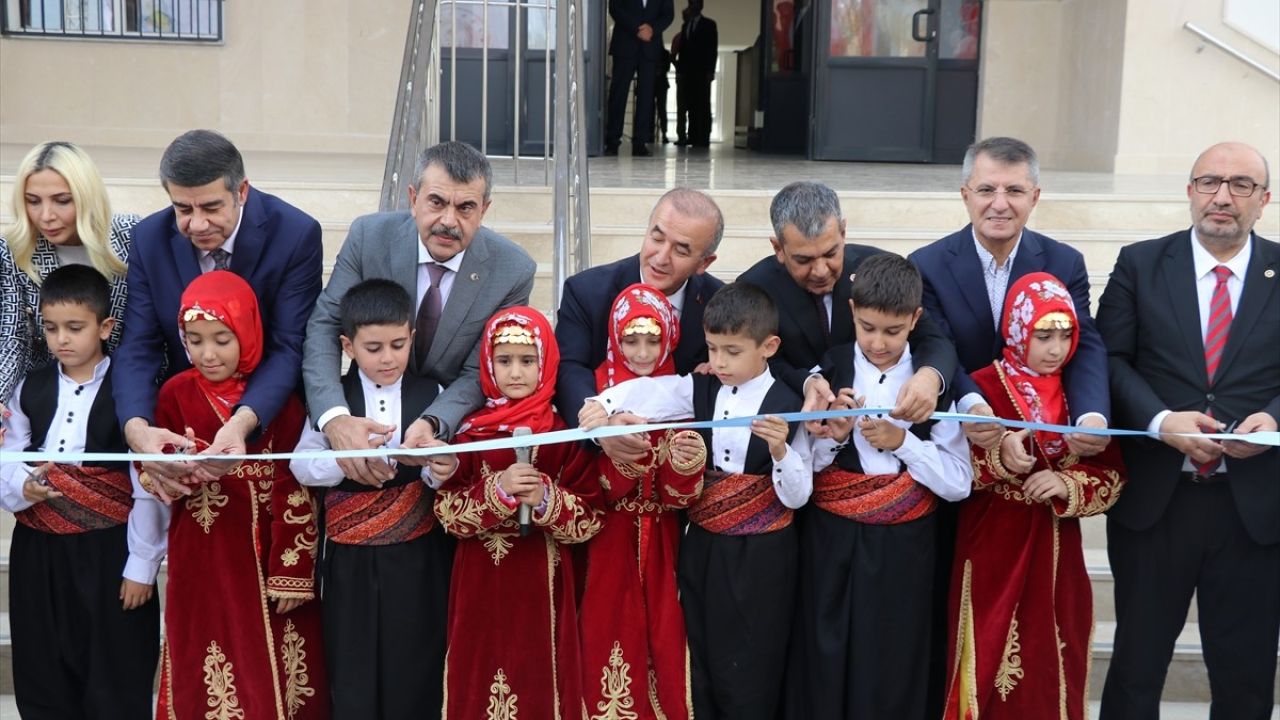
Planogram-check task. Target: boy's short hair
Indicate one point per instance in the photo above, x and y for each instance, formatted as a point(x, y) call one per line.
point(77, 285)
point(374, 302)
point(888, 283)
point(741, 309)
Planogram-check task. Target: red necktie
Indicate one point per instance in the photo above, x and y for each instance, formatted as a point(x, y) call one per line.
point(1215, 340)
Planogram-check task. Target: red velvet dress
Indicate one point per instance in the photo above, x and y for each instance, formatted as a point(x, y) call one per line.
point(635, 653)
point(1021, 607)
point(235, 546)
point(513, 634)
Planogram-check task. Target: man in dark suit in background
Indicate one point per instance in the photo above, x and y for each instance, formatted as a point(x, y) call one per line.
point(636, 47)
point(680, 243)
point(810, 278)
point(1191, 322)
point(696, 54)
point(216, 222)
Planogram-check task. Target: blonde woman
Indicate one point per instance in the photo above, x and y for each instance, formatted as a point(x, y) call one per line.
point(61, 217)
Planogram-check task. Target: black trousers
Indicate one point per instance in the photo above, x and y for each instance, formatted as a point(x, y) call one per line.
point(626, 67)
point(693, 96)
point(866, 598)
point(77, 654)
point(1199, 546)
point(738, 594)
point(385, 617)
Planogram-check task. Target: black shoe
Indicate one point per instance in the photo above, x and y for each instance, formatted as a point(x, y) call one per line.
point(611, 150)
point(666, 140)
point(681, 142)
point(641, 151)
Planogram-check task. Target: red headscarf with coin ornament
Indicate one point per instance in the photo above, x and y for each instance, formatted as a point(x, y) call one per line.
point(639, 310)
point(1038, 301)
point(225, 297)
point(500, 414)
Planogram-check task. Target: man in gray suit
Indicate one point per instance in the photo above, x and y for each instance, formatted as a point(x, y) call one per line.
point(459, 272)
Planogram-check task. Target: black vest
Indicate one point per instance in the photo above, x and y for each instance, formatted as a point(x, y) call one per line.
point(416, 393)
point(837, 368)
point(40, 401)
point(779, 399)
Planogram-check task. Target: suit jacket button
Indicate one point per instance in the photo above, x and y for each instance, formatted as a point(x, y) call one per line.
point(1209, 397)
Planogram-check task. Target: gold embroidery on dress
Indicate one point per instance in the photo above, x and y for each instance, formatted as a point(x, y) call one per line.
point(295, 668)
point(581, 522)
point(680, 500)
point(203, 502)
point(220, 683)
point(615, 686)
point(498, 546)
point(254, 468)
point(502, 704)
point(638, 505)
point(264, 491)
point(1010, 670)
point(305, 541)
point(654, 703)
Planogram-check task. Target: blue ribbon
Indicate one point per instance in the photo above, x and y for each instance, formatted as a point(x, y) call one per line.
point(1271, 438)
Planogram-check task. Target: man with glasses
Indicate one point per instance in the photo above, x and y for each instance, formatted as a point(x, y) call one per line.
point(1192, 325)
point(966, 275)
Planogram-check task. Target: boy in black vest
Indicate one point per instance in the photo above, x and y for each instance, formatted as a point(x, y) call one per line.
point(385, 570)
point(738, 560)
point(867, 545)
point(85, 643)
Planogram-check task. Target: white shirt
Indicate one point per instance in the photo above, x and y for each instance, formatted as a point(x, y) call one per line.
point(424, 278)
point(995, 279)
point(148, 523)
point(205, 260)
point(1206, 281)
point(671, 398)
point(940, 464)
point(382, 405)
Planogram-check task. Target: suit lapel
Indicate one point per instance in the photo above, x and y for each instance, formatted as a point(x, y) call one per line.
point(841, 315)
point(1180, 280)
point(404, 259)
point(692, 339)
point(1030, 258)
point(1258, 289)
point(462, 296)
point(184, 257)
point(250, 238)
point(967, 272)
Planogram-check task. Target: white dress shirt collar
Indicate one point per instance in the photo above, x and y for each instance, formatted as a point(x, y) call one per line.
point(1205, 262)
point(453, 263)
point(206, 262)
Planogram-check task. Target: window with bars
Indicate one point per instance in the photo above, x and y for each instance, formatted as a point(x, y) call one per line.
point(182, 20)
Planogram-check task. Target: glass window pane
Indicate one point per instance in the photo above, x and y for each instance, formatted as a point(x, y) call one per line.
point(470, 26)
point(959, 29)
point(874, 28)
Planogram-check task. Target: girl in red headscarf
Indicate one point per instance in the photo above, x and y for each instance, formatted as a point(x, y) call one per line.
point(513, 632)
point(634, 650)
point(1021, 605)
point(242, 637)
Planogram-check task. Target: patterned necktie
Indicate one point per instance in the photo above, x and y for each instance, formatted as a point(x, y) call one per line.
point(428, 315)
point(221, 258)
point(1215, 340)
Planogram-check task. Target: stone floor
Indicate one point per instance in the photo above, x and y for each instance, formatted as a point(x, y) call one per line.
point(722, 167)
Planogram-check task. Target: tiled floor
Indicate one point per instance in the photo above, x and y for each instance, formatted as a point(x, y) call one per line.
point(720, 168)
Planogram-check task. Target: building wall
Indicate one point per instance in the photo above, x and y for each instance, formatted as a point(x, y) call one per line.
point(292, 75)
point(1114, 85)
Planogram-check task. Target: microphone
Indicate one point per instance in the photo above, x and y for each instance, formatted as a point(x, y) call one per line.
point(524, 513)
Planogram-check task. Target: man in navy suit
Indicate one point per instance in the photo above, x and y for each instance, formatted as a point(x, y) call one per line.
point(967, 273)
point(1192, 324)
point(636, 47)
point(215, 222)
point(680, 243)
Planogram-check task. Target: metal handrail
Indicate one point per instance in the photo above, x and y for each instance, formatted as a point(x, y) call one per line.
point(1199, 31)
point(416, 121)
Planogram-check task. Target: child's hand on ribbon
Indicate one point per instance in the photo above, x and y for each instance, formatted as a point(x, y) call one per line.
point(1013, 452)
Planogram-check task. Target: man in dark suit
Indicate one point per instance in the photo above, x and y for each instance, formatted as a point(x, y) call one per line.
point(216, 221)
point(967, 273)
point(810, 277)
point(1191, 322)
point(680, 243)
point(636, 47)
point(699, 43)
point(966, 276)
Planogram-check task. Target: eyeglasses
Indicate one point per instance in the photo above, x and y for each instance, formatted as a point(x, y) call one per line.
point(1013, 194)
point(1238, 186)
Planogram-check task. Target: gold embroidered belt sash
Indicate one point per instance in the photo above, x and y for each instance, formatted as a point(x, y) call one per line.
point(739, 504)
point(872, 499)
point(93, 498)
point(378, 517)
